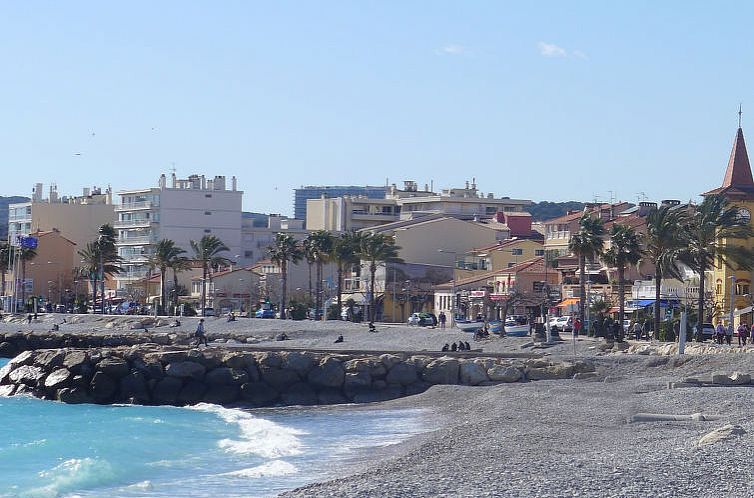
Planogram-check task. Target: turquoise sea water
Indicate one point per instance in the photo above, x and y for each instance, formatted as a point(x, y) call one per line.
point(50, 449)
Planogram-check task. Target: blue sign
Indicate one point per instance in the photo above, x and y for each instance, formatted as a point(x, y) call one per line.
point(29, 242)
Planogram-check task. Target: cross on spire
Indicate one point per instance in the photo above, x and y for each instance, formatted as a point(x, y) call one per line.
point(739, 115)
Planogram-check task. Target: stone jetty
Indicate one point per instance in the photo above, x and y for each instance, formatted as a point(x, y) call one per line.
point(154, 374)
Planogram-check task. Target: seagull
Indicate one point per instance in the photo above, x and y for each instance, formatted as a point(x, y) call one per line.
point(77, 154)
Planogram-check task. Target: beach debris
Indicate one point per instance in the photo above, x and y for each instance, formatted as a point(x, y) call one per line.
point(724, 433)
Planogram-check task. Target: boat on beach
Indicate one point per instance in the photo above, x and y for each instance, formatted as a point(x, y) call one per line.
point(517, 327)
point(469, 326)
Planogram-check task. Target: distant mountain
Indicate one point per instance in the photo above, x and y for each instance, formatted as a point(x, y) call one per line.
point(547, 210)
point(4, 201)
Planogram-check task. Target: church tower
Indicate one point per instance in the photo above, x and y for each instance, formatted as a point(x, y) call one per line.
point(738, 188)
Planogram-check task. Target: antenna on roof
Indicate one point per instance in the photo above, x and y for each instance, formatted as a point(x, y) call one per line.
point(739, 114)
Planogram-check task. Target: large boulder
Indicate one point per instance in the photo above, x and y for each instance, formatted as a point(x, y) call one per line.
point(192, 393)
point(166, 390)
point(556, 371)
point(151, 368)
point(300, 394)
point(58, 379)
point(301, 363)
point(258, 393)
point(73, 395)
point(402, 373)
point(75, 360)
point(279, 379)
point(25, 358)
point(500, 373)
point(221, 394)
point(443, 370)
point(329, 373)
point(239, 361)
point(28, 375)
point(185, 369)
point(269, 359)
point(225, 376)
point(102, 387)
point(114, 367)
point(209, 361)
point(8, 350)
point(390, 360)
point(134, 387)
point(331, 396)
point(49, 359)
point(472, 374)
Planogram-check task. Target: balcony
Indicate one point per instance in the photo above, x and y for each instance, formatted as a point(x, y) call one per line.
point(136, 241)
point(133, 223)
point(134, 206)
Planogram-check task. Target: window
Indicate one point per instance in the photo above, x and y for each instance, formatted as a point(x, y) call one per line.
point(207, 213)
point(248, 254)
point(538, 287)
point(208, 195)
point(719, 287)
point(539, 252)
point(517, 252)
point(511, 264)
point(742, 287)
point(207, 230)
point(490, 210)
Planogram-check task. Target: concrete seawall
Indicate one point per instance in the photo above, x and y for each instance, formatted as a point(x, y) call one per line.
point(173, 375)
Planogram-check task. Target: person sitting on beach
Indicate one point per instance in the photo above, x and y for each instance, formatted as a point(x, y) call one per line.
point(339, 339)
point(28, 318)
point(454, 347)
point(231, 317)
point(372, 328)
point(199, 334)
point(468, 347)
point(176, 323)
point(461, 346)
point(55, 327)
point(445, 347)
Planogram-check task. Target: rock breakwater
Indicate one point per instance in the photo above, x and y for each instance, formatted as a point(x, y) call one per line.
point(153, 374)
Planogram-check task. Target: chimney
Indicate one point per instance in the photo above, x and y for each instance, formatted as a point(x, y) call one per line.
point(37, 192)
point(203, 184)
point(162, 183)
point(233, 183)
point(174, 178)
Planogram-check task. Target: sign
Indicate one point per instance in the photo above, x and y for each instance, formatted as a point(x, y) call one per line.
point(478, 294)
point(26, 242)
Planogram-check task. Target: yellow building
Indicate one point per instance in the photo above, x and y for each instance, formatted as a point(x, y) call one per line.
point(499, 256)
point(738, 188)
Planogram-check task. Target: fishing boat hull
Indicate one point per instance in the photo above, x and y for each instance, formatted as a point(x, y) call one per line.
point(469, 326)
point(517, 330)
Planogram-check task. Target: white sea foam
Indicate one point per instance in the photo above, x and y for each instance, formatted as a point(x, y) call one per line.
point(257, 435)
point(270, 469)
point(76, 473)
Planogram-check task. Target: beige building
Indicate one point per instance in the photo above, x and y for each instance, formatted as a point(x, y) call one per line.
point(50, 273)
point(76, 218)
point(236, 290)
point(498, 256)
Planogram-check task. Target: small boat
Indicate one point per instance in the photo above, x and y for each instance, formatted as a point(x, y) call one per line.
point(469, 326)
point(514, 328)
point(495, 327)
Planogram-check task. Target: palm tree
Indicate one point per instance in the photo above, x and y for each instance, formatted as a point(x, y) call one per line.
point(109, 255)
point(344, 252)
point(96, 264)
point(321, 248)
point(178, 264)
point(285, 250)
point(710, 232)
point(625, 249)
point(208, 250)
point(163, 258)
point(307, 250)
point(586, 244)
point(663, 243)
point(376, 248)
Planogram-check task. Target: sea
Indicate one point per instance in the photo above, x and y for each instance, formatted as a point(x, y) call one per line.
point(50, 449)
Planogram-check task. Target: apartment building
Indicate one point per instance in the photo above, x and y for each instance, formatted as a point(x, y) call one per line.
point(303, 194)
point(256, 240)
point(77, 218)
point(181, 210)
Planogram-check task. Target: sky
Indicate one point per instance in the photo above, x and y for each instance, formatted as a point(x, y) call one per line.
point(538, 100)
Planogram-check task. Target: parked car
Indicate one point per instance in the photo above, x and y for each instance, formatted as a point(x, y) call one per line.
point(422, 319)
point(561, 324)
point(708, 330)
point(262, 313)
point(209, 312)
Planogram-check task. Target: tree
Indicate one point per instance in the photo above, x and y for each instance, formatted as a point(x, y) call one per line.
point(178, 264)
point(321, 246)
point(662, 246)
point(344, 252)
point(207, 250)
point(91, 259)
point(163, 258)
point(711, 231)
point(377, 248)
point(284, 250)
point(6, 253)
point(307, 250)
point(109, 256)
point(586, 244)
point(625, 249)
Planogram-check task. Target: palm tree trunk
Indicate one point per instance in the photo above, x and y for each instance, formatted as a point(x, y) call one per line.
point(3, 284)
point(175, 290)
point(204, 287)
point(340, 288)
point(700, 304)
point(658, 283)
point(621, 294)
point(372, 271)
point(310, 282)
point(162, 291)
point(582, 285)
point(94, 293)
point(318, 313)
point(284, 282)
point(23, 283)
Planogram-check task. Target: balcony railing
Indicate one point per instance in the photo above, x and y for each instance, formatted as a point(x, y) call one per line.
point(133, 223)
point(136, 240)
point(130, 206)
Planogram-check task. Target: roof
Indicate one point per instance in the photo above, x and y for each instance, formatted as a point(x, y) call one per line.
point(633, 220)
point(50, 232)
point(621, 205)
point(738, 181)
point(535, 265)
point(501, 244)
point(224, 272)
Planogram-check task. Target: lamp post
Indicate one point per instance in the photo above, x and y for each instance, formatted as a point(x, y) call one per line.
point(732, 299)
point(452, 286)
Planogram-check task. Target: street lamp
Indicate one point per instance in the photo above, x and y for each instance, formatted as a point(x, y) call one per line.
point(452, 286)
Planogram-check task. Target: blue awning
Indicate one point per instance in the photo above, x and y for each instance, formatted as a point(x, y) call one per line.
point(643, 303)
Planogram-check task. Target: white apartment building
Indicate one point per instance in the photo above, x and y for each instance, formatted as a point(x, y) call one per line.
point(255, 240)
point(181, 210)
point(77, 218)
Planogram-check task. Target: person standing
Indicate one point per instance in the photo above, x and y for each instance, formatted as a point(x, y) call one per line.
point(576, 327)
point(743, 333)
point(200, 334)
point(719, 332)
point(729, 333)
point(442, 319)
point(637, 330)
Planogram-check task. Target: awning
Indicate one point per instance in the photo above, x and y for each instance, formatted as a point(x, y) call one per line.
point(571, 301)
point(743, 311)
point(626, 309)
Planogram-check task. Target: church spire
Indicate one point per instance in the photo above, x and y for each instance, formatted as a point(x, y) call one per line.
point(738, 173)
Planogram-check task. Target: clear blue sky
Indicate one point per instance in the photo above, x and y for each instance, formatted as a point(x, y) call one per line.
point(540, 100)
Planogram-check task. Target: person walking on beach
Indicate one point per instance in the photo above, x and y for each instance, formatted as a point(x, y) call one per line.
point(719, 332)
point(442, 319)
point(743, 333)
point(199, 334)
point(729, 333)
